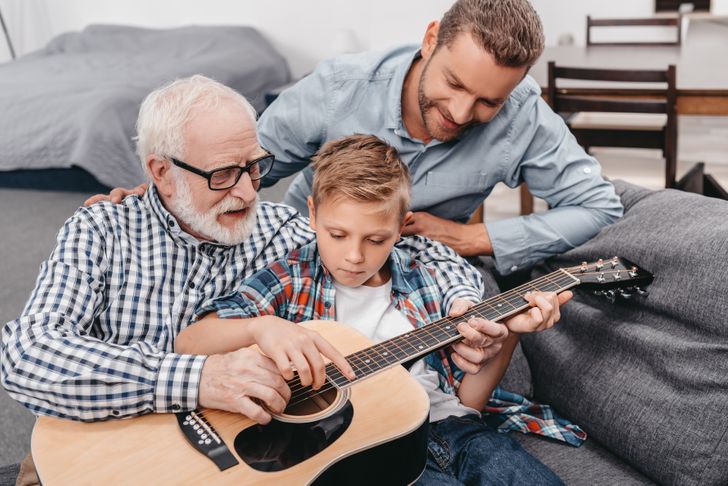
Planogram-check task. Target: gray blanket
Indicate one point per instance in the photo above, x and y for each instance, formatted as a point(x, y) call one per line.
point(75, 102)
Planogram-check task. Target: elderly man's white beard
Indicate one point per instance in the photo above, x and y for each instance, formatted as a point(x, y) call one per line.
point(206, 223)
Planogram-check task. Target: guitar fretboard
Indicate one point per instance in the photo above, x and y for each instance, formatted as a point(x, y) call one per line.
point(443, 332)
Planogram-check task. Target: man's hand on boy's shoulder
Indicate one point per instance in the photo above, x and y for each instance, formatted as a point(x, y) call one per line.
point(117, 195)
point(465, 239)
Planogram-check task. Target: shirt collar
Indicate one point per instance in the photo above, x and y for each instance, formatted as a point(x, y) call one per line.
point(395, 92)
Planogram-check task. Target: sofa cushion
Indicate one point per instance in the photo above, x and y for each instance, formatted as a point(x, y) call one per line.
point(648, 377)
point(589, 465)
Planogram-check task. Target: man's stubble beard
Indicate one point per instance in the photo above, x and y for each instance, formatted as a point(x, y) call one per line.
point(427, 106)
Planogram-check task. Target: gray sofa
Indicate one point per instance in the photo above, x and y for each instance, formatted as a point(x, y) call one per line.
point(646, 378)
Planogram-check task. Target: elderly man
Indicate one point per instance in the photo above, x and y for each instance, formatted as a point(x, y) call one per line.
point(96, 339)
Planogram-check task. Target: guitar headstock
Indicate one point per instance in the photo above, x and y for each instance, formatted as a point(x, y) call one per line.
point(609, 276)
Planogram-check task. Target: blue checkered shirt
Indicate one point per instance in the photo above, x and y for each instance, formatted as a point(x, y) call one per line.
point(96, 338)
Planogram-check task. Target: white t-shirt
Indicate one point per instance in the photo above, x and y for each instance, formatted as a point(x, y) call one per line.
point(370, 311)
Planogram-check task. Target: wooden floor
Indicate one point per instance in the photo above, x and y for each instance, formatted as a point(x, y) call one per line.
point(700, 139)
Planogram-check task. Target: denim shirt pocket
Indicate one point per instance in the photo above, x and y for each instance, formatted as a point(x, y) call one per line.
point(454, 195)
point(467, 180)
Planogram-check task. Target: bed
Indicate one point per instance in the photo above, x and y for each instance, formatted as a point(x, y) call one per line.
point(67, 111)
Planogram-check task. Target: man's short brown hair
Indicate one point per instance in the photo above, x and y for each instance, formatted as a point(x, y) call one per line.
point(510, 30)
point(362, 168)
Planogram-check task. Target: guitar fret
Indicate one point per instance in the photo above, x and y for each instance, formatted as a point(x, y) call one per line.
point(434, 335)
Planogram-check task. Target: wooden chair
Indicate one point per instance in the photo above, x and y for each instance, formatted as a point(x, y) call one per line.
point(605, 120)
point(675, 21)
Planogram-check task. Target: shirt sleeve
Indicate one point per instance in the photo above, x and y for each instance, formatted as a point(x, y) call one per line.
point(293, 127)
point(455, 276)
point(558, 170)
point(265, 293)
point(53, 365)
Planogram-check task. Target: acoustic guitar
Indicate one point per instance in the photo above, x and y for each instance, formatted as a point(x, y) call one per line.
point(369, 430)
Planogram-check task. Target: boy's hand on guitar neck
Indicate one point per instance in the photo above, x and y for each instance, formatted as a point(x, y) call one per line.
point(483, 339)
point(544, 312)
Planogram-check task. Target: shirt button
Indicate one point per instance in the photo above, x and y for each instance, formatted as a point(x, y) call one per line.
point(171, 223)
point(176, 406)
point(587, 170)
point(514, 268)
point(192, 285)
point(115, 413)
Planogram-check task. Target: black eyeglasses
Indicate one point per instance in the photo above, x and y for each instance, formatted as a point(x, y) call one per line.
point(226, 177)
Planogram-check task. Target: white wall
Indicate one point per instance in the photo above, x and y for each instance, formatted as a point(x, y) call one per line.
point(304, 31)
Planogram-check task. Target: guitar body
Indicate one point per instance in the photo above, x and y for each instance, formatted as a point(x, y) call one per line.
point(385, 441)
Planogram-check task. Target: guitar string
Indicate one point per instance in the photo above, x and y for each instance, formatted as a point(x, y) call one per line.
point(516, 291)
point(474, 310)
point(304, 392)
point(301, 391)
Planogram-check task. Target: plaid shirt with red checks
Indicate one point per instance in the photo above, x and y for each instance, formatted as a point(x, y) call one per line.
point(299, 288)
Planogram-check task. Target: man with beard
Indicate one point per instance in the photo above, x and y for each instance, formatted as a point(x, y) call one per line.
point(96, 339)
point(464, 115)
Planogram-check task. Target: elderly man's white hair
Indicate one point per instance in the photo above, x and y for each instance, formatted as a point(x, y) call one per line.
point(165, 112)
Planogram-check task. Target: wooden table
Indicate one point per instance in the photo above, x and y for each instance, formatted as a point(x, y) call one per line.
point(702, 71)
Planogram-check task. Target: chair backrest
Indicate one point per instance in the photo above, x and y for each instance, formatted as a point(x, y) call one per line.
point(638, 22)
point(620, 98)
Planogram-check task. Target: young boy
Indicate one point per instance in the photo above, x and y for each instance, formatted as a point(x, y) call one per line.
point(355, 275)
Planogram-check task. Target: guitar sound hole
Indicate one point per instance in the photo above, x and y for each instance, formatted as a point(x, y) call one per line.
point(280, 445)
point(312, 402)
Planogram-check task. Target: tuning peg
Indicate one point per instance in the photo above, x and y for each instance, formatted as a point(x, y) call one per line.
point(611, 295)
point(625, 294)
point(642, 291)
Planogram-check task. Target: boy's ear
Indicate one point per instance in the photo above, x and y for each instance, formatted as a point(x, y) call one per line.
point(407, 219)
point(311, 213)
point(159, 170)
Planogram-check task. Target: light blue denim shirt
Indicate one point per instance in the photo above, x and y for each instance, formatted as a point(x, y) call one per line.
point(526, 141)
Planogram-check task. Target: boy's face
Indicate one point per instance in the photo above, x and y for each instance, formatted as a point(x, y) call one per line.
point(355, 238)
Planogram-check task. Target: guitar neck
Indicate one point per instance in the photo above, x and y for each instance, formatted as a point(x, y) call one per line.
point(438, 334)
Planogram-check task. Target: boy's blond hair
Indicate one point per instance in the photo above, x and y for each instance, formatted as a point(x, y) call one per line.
point(362, 168)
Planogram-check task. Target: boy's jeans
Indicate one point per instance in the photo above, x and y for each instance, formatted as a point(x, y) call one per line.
point(463, 450)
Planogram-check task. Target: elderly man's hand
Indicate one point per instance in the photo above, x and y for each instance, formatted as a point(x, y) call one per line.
point(244, 381)
point(482, 339)
point(117, 195)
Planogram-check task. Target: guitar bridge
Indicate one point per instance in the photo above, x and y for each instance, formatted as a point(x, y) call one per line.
point(203, 437)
